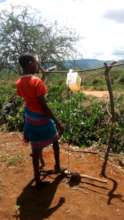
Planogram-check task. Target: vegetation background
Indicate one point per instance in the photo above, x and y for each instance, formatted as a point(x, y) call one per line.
point(85, 119)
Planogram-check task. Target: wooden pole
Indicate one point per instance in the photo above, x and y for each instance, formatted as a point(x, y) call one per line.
point(112, 111)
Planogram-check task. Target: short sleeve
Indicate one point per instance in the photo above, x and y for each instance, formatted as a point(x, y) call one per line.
point(18, 93)
point(41, 88)
point(17, 88)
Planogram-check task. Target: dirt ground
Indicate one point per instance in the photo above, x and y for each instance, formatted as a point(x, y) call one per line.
point(98, 94)
point(89, 200)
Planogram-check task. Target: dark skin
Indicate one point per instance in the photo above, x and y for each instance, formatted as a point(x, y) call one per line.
point(31, 68)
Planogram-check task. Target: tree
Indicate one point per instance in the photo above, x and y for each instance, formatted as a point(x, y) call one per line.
point(23, 31)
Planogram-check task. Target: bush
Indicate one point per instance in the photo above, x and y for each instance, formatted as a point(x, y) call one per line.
point(81, 122)
point(85, 119)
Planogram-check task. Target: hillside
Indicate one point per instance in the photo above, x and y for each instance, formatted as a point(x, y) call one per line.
point(83, 63)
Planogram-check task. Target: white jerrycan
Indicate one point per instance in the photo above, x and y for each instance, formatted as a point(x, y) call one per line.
point(73, 81)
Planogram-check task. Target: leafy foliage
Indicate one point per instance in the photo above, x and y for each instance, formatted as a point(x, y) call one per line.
point(86, 120)
point(22, 30)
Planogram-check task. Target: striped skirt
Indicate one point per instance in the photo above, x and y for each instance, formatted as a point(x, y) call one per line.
point(39, 130)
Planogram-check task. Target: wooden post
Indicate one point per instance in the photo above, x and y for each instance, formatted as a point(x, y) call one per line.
point(112, 111)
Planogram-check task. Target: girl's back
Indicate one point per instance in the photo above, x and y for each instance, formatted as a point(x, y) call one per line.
point(30, 87)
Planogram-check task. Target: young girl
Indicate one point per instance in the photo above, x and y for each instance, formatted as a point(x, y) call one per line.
point(41, 128)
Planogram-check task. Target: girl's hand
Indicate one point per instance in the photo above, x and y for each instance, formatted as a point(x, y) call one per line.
point(25, 138)
point(60, 128)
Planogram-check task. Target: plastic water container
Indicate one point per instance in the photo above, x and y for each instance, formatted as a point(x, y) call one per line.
point(73, 81)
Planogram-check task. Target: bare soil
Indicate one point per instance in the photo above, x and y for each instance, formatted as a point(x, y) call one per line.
point(89, 200)
point(98, 94)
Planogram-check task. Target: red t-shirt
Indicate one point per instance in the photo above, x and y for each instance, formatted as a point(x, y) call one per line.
point(30, 87)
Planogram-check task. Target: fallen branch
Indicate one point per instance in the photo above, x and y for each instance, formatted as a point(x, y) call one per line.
point(68, 149)
point(76, 177)
point(93, 178)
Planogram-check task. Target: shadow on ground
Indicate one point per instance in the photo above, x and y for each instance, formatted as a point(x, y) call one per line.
point(35, 204)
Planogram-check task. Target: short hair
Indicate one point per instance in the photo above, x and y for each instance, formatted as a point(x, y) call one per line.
point(25, 59)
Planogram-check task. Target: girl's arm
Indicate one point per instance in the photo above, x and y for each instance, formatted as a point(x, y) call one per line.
point(42, 69)
point(49, 113)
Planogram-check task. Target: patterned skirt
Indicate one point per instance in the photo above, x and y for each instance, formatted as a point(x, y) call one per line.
point(39, 130)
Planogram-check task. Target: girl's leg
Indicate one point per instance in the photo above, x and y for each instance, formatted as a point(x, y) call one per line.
point(56, 150)
point(42, 163)
point(36, 155)
point(35, 162)
point(41, 160)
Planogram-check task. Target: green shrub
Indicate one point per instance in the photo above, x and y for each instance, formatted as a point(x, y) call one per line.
point(80, 122)
point(85, 119)
point(15, 122)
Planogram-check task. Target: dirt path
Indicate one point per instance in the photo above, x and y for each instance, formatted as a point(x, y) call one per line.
point(90, 200)
point(98, 94)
